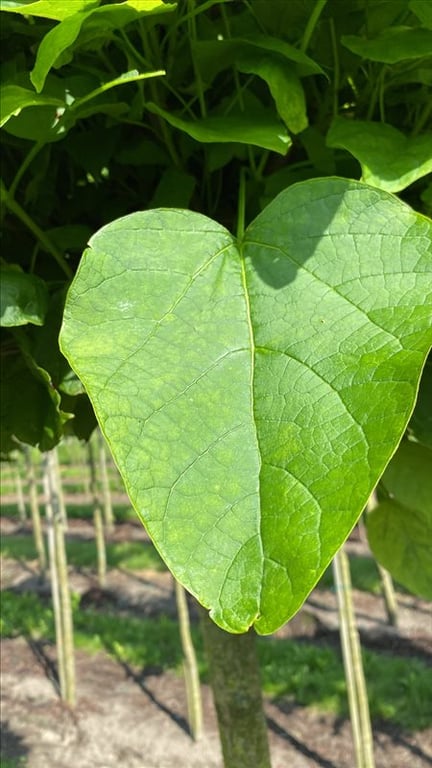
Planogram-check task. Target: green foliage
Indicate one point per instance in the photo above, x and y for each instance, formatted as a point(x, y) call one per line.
point(271, 91)
point(400, 527)
point(389, 159)
point(302, 375)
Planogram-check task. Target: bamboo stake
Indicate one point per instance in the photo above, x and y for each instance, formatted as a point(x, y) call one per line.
point(106, 493)
point(55, 590)
point(34, 509)
point(97, 519)
point(59, 489)
point(59, 577)
point(354, 674)
point(190, 665)
point(389, 595)
point(20, 496)
point(388, 590)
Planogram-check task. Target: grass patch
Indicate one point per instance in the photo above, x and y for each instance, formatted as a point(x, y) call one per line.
point(133, 555)
point(123, 513)
point(13, 762)
point(398, 687)
point(309, 674)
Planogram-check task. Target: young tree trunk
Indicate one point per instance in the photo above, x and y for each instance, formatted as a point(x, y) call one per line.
point(354, 674)
point(34, 509)
point(59, 582)
point(97, 519)
point(190, 665)
point(236, 684)
point(106, 492)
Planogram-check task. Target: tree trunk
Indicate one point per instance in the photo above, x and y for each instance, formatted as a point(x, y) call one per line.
point(236, 684)
point(190, 666)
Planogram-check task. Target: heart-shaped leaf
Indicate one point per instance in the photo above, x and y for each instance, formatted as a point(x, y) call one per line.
point(389, 159)
point(253, 390)
point(392, 45)
point(400, 528)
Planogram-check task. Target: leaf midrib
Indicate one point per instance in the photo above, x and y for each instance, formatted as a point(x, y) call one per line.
point(252, 404)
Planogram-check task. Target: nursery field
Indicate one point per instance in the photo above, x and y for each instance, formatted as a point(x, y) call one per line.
point(131, 706)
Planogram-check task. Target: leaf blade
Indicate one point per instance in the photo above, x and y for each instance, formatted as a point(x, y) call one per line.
point(254, 411)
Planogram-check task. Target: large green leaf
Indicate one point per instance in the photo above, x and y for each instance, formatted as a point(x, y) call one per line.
point(389, 159)
point(106, 18)
point(257, 128)
point(393, 45)
point(400, 529)
point(253, 391)
point(49, 9)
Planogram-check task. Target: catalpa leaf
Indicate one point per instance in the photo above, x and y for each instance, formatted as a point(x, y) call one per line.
point(13, 99)
point(389, 159)
point(65, 34)
point(48, 9)
point(400, 528)
point(23, 298)
point(258, 128)
point(393, 45)
point(253, 390)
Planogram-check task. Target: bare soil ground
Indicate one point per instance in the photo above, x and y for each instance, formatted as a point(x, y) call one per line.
point(129, 718)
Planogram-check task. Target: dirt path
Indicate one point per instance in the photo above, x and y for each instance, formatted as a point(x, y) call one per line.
point(127, 718)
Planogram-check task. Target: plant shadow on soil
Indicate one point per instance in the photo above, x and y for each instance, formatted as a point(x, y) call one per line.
point(134, 621)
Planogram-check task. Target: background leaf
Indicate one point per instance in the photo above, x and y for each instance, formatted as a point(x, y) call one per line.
point(253, 393)
point(389, 159)
point(423, 11)
point(420, 425)
point(23, 298)
point(400, 529)
point(49, 9)
point(13, 99)
point(285, 87)
point(392, 45)
point(64, 34)
point(259, 129)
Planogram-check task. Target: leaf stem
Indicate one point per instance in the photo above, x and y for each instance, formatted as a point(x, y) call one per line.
point(423, 119)
point(23, 167)
point(39, 234)
point(241, 205)
point(197, 73)
point(336, 78)
point(312, 22)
